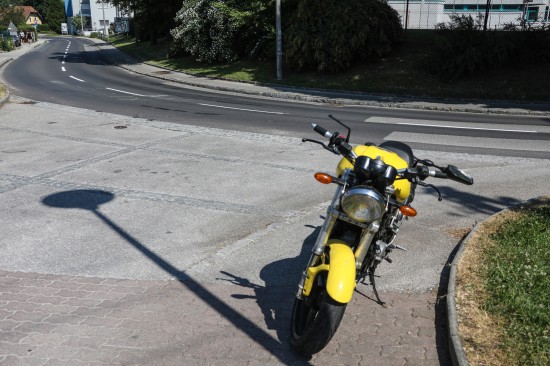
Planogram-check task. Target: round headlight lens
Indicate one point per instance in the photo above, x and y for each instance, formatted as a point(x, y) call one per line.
point(363, 204)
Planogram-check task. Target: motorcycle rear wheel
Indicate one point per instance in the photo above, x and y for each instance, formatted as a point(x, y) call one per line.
point(314, 321)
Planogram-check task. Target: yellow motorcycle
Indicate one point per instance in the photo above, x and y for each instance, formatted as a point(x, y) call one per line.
point(375, 187)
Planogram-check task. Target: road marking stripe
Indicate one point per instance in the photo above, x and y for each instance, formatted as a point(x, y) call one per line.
point(239, 109)
point(62, 68)
point(467, 141)
point(125, 92)
point(72, 77)
point(447, 124)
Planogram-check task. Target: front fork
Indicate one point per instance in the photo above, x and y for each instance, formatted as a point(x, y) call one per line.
point(322, 238)
point(333, 214)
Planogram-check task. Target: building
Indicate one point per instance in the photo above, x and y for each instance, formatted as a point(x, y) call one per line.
point(32, 17)
point(425, 14)
point(98, 14)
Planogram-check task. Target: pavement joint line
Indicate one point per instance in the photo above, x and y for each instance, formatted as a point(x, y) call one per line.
point(20, 181)
point(148, 147)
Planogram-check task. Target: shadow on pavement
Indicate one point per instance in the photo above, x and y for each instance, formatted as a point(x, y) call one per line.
point(475, 202)
point(91, 200)
point(276, 298)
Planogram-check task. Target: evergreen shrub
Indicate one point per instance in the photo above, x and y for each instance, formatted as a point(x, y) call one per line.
point(332, 35)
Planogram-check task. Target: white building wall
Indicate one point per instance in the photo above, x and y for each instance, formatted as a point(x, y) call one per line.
point(94, 11)
point(425, 14)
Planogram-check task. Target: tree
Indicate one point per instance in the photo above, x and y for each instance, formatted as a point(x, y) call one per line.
point(332, 35)
point(224, 30)
point(54, 14)
point(79, 22)
point(10, 11)
point(152, 18)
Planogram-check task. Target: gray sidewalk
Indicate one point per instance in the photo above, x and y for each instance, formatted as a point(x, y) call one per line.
point(100, 221)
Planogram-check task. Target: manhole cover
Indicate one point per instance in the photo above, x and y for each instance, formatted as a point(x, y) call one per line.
point(120, 127)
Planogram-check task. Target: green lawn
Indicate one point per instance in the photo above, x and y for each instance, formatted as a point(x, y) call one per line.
point(404, 73)
point(518, 279)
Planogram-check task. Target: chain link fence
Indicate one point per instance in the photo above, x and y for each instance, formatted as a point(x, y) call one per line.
point(426, 14)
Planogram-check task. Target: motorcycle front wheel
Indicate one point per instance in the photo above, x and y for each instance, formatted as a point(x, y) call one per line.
point(314, 321)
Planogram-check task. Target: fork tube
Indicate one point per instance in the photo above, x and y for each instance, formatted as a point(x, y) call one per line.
point(322, 238)
point(364, 243)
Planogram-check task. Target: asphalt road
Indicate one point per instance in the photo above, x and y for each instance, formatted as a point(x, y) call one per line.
point(72, 71)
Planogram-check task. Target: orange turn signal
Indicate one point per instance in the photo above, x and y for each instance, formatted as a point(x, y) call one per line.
point(407, 211)
point(323, 178)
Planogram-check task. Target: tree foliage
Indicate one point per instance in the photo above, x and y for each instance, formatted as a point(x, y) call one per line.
point(332, 35)
point(10, 11)
point(464, 49)
point(152, 18)
point(54, 14)
point(223, 30)
point(79, 22)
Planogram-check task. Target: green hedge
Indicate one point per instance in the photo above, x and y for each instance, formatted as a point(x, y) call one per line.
point(463, 49)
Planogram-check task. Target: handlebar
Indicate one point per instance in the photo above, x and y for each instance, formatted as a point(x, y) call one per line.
point(339, 145)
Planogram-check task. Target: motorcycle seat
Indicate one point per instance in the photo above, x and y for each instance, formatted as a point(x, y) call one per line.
point(403, 150)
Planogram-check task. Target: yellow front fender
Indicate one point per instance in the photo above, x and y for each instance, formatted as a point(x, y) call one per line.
point(341, 272)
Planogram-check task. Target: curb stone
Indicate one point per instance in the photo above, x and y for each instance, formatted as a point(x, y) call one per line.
point(5, 98)
point(336, 97)
point(458, 356)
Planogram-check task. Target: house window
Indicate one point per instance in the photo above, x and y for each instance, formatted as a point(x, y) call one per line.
point(547, 14)
point(532, 14)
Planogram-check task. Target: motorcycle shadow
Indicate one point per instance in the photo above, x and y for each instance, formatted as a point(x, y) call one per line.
point(276, 298)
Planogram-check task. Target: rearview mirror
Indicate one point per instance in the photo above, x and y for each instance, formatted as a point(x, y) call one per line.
point(458, 175)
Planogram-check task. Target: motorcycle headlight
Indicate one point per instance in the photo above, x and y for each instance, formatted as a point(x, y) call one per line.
point(363, 204)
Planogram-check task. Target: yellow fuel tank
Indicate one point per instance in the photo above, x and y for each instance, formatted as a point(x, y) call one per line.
point(402, 186)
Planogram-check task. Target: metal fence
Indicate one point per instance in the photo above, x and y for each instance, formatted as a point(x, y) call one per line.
point(426, 14)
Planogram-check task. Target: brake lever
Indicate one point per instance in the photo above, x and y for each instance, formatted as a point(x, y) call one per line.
point(439, 198)
point(322, 144)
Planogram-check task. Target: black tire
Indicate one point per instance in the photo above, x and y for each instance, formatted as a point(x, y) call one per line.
point(314, 321)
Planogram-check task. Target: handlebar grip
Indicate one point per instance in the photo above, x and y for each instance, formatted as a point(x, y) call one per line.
point(321, 131)
point(437, 174)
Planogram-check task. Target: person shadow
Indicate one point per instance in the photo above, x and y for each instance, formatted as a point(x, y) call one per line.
point(276, 298)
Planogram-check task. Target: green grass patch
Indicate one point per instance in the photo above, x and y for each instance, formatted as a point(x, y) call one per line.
point(517, 273)
point(404, 73)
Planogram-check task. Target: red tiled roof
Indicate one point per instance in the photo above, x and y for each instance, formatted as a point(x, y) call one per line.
point(28, 10)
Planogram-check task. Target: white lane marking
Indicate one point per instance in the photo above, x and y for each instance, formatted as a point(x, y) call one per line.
point(125, 92)
point(468, 141)
point(62, 68)
point(239, 109)
point(445, 124)
point(63, 62)
point(72, 77)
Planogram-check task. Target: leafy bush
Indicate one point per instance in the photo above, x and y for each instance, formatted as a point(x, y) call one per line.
point(221, 31)
point(6, 44)
point(332, 35)
point(43, 28)
point(463, 48)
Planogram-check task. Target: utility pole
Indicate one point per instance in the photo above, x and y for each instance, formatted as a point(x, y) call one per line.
point(279, 51)
point(487, 7)
point(81, 21)
point(105, 31)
